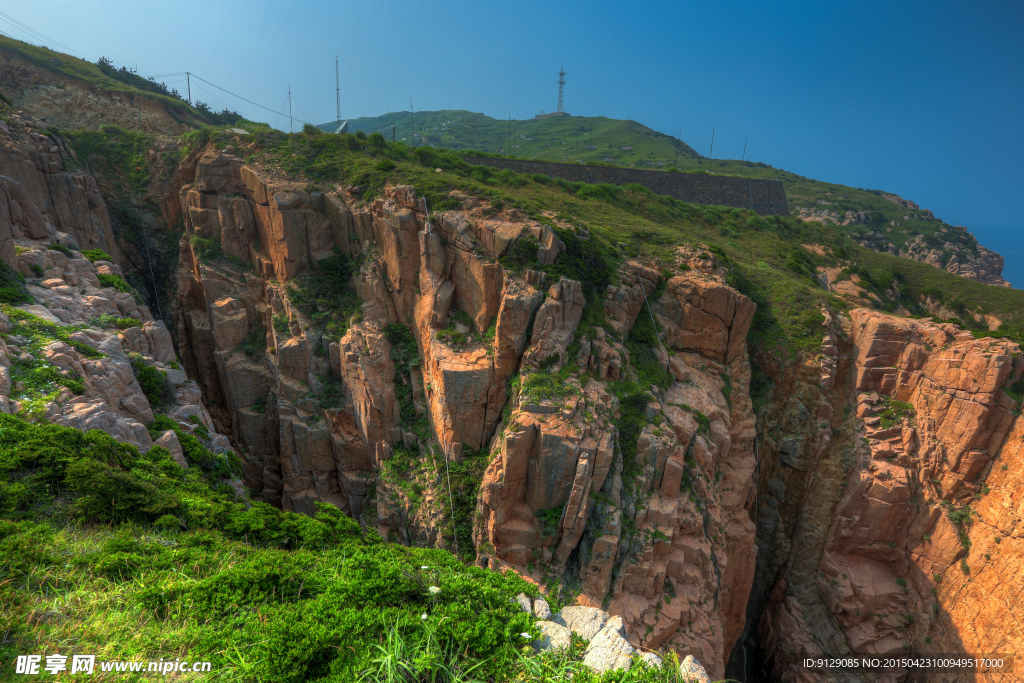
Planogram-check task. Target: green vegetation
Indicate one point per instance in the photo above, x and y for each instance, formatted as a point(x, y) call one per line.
point(642, 343)
point(549, 519)
point(103, 74)
point(295, 598)
point(62, 249)
point(119, 322)
point(1016, 390)
point(119, 283)
point(209, 251)
point(115, 150)
point(255, 344)
point(406, 357)
point(601, 141)
point(206, 249)
point(12, 286)
point(547, 386)
point(894, 412)
point(326, 295)
point(555, 139)
point(281, 324)
point(97, 255)
point(633, 400)
point(153, 381)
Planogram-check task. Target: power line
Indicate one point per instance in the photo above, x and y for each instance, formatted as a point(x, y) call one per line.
point(244, 99)
point(38, 35)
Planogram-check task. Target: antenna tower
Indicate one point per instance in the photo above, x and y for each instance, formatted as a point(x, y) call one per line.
point(561, 89)
point(337, 87)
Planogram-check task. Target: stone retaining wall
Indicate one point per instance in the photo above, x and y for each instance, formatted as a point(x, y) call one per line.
point(766, 197)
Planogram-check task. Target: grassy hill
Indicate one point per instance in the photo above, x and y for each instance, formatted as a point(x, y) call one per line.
point(567, 138)
point(628, 143)
point(103, 75)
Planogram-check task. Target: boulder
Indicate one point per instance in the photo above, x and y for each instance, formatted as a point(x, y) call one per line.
point(553, 637)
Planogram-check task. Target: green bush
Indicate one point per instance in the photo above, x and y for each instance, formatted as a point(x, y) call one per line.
point(206, 249)
point(120, 284)
point(326, 295)
point(154, 383)
point(97, 255)
point(255, 344)
point(62, 249)
point(122, 323)
point(12, 286)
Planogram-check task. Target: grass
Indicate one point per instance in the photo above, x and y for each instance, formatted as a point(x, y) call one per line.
point(264, 594)
point(326, 295)
point(120, 284)
point(119, 322)
point(12, 286)
point(95, 255)
point(106, 78)
point(555, 139)
point(628, 143)
point(630, 221)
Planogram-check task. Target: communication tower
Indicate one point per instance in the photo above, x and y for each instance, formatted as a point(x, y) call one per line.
point(337, 87)
point(561, 90)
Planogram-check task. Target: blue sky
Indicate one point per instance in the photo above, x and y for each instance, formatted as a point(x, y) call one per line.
point(924, 99)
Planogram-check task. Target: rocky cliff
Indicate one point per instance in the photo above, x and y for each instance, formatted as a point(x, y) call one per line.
point(456, 361)
point(66, 102)
point(471, 379)
point(81, 350)
point(887, 520)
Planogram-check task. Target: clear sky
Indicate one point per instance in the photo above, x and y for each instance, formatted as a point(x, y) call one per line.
point(924, 99)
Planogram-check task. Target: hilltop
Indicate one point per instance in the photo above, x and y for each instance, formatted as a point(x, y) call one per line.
point(567, 138)
point(876, 219)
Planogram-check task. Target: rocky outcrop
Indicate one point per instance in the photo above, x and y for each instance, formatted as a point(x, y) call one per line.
point(979, 264)
point(927, 420)
point(39, 199)
point(607, 648)
point(73, 103)
point(88, 339)
point(362, 420)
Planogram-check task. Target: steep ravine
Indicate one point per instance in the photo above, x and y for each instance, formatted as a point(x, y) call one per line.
point(834, 522)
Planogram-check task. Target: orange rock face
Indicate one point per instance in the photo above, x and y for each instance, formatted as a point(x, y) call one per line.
point(664, 539)
point(919, 556)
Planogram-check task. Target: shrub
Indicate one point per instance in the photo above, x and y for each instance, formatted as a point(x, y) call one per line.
point(206, 249)
point(12, 286)
point(154, 383)
point(97, 255)
point(120, 284)
point(326, 295)
point(62, 249)
point(255, 344)
point(119, 322)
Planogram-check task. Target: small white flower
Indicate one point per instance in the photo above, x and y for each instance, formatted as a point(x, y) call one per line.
point(525, 635)
point(423, 616)
point(434, 590)
point(424, 567)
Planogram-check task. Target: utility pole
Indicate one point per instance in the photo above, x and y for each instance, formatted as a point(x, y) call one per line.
point(290, 107)
point(188, 81)
point(393, 133)
point(412, 123)
point(711, 154)
point(743, 164)
point(675, 164)
point(337, 89)
point(507, 152)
